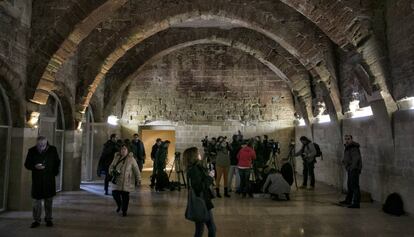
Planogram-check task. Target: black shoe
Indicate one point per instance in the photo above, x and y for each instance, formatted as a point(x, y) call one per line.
point(124, 214)
point(354, 206)
point(35, 224)
point(49, 223)
point(118, 209)
point(287, 196)
point(106, 193)
point(218, 193)
point(345, 202)
point(251, 195)
point(226, 193)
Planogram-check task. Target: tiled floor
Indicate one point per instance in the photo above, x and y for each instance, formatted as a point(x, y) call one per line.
point(309, 213)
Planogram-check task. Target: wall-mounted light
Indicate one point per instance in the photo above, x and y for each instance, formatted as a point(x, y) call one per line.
point(406, 103)
point(356, 112)
point(325, 118)
point(79, 127)
point(33, 119)
point(113, 120)
point(300, 122)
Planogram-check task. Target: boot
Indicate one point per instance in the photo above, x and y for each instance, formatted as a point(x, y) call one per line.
point(218, 193)
point(226, 193)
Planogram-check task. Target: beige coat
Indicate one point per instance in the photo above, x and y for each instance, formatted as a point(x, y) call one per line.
point(130, 175)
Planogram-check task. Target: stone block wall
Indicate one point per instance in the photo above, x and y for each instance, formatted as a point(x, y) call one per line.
point(400, 34)
point(208, 83)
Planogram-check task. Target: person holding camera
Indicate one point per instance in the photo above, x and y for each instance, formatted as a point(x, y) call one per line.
point(308, 154)
point(222, 165)
point(200, 181)
point(235, 147)
point(125, 177)
point(43, 160)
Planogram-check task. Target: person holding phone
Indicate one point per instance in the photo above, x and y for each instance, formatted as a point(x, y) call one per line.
point(43, 160)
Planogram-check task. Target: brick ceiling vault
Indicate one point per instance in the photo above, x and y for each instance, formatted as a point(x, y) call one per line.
point(306, 46)
point(138, 20)
point(163, 43)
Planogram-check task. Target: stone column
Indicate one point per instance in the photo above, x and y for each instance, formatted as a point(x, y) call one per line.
point(72, 160)
point(20, 179)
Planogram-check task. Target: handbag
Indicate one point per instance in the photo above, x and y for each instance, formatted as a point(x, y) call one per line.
point(196, 210)
point(114, 173)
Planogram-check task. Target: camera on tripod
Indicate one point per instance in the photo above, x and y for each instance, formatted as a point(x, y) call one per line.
point(274, 146)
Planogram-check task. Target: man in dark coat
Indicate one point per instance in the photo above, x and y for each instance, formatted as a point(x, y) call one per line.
point(139, 151)
point(353, 165)
point(107, 156)
point(160, 163)
point(154, 152)
point(43, 160)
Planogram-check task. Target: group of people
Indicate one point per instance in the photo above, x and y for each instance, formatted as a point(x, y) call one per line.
point(122, 162)
point(243, 159)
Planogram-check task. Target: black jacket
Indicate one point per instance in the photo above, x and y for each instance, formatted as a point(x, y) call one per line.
point(200, 182)
point(235, 147)
point(352, 157)
point(154, 150)
point(107, 156)
point(43, 181)
point(138, 149)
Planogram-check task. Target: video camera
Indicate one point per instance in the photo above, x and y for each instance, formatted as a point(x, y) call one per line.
point(274, 146)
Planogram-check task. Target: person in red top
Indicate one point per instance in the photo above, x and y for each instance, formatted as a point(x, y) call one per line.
point(245, 159)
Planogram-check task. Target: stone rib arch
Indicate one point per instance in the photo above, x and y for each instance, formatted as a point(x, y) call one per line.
point(61, 43)
point(308, 57)
point(326, 15)
point(345, 24)
point(295, 76)
point(306, 47)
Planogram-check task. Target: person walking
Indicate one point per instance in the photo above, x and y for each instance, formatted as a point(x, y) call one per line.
point(43, 161)
point(139, 151)
point(107, 156)
point(353, 165)
point(200, 182)
point(125, 177)
point(245, 159)
point(308, 154)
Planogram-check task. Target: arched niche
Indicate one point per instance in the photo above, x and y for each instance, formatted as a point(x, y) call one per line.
point(52, 126)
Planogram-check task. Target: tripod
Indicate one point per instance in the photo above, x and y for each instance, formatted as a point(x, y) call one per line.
point(272, 161)
point(178, 170)
point(290, 158)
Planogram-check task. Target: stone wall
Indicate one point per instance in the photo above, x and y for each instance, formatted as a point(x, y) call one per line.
point(400, 34)
point(387, 158)
point(208, 83)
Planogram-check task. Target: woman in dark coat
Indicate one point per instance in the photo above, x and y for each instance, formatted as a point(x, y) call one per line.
point(43, 160)
point(200, 182)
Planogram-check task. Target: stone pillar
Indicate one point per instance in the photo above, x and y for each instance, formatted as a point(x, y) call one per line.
point(72, 160)
point(20, 179)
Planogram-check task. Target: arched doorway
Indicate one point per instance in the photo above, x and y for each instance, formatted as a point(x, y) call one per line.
point(5, 129)
point(87, 146)
point(52, 126)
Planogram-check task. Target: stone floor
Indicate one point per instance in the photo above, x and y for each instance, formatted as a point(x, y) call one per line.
point(310, 213)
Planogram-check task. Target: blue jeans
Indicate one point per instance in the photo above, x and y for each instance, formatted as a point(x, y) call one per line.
point(244, 180)
point(199, 227)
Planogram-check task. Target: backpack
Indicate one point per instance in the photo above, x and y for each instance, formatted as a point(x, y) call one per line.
point(394, 205)
point(318, 150)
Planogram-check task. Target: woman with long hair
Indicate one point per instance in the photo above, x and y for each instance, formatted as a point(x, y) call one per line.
point(125, 177)
point(200, 182)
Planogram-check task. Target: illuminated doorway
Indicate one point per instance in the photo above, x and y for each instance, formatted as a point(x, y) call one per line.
point(149, 134)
